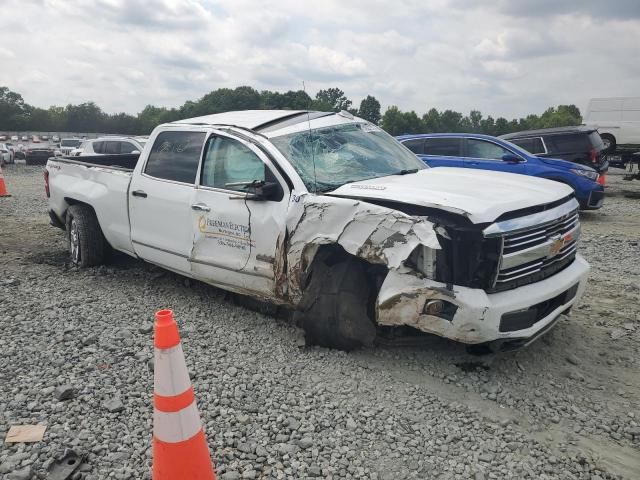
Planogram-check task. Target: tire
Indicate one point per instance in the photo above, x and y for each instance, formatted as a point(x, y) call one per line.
point(609, 142)
point(334, 310)
point(87, 245)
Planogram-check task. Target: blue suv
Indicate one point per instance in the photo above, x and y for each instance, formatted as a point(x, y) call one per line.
point(467, 150)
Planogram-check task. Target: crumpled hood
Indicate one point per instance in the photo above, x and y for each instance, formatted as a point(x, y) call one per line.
point(480, 195)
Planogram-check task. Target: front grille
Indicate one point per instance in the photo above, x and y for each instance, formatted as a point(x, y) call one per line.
point(536, 252)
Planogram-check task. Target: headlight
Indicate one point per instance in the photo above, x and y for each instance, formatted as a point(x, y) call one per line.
point(590, 174)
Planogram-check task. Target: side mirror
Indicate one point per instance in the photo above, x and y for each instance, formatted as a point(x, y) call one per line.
point(135, 152)
point(267, 191)
point(510, 157)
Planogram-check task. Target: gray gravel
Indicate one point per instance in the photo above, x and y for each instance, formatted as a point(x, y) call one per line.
point(76, 349)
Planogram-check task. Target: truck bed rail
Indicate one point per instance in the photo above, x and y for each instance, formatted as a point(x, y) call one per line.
point(126, 161)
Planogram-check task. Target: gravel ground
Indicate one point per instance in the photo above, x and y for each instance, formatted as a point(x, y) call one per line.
point(566, 407)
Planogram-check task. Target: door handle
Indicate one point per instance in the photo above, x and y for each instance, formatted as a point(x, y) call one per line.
point(200, 207)
point(139, 193)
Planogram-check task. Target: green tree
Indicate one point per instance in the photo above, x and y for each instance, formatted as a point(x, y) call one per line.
point(396, 122)
point(370, 109)
point(332, 100)
point(13, 110)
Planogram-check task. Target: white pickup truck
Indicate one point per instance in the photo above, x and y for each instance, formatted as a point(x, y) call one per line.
point(328, 215)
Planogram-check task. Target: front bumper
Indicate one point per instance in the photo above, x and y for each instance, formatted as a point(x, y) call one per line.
point(595, 199)
point(480, 317)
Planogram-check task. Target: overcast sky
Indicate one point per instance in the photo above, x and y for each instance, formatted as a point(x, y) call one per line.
point(503, 57)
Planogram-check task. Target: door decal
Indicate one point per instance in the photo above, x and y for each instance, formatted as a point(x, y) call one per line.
point(227, 234)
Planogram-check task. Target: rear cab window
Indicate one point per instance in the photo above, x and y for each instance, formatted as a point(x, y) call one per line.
point(175, 156)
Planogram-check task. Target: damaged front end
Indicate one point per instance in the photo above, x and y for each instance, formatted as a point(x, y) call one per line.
point(413, 250)
point(438, 272)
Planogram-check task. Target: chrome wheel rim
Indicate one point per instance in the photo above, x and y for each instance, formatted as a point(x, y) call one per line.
point(74, 241)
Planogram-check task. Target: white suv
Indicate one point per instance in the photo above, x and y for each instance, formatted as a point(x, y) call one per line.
point(110, 146)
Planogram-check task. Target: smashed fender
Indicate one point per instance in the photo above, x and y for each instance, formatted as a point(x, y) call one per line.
point(376, 234)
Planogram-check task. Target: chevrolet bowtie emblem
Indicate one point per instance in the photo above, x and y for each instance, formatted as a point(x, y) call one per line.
point(557, 242)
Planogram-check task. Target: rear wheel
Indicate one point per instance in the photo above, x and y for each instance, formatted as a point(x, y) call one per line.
point(335, 310)
point(87, 245)
point(609, 142)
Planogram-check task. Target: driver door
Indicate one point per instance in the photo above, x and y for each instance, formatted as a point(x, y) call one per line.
point(236, 237)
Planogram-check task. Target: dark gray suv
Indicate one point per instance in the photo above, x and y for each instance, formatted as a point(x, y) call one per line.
point(576, 144)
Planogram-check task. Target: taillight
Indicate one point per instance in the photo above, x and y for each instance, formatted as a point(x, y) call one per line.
point(593, 154)
point(46, 183)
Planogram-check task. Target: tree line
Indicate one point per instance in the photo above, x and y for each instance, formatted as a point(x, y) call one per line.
point(16, 115)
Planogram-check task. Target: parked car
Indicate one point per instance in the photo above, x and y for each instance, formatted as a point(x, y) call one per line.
point(617, 120)
point(24, 138)
point(484, 152)
point(55, 139)
point(580, 144)
point(68, 145)
point(6, 154)
point(110, 146)
point(14, 138)
point(38, 155)
point(20, 151)
point(44, 137)
point(328, 215)
point(3, 138)
point(35, 139)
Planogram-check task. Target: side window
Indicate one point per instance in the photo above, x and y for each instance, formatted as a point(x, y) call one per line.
point(482, 149)
point(443, 147)
point(227, 161)
point(569, 143)
point(98, 147)
point(533, 145)
point(175, 156)
point(111, 148)
point(416, 145)
point(126, 147)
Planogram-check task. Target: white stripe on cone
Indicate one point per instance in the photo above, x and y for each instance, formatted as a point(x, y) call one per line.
point(170, 375)
point(176, 426)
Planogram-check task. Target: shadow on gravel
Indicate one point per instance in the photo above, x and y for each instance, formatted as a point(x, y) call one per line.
point(55, 258)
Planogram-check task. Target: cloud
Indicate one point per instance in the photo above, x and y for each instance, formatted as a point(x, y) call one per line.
point(504, 58)
point(6, 53)
point(597, 9)
point(514, 44)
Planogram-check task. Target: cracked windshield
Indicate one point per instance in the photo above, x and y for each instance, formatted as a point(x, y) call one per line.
point(345, 154)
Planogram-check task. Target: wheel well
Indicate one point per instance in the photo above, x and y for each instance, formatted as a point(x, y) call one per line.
point(73, 201)
point(608, 135)
point(334, 253)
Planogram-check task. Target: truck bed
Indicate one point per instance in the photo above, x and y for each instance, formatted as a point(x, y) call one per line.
point(125, 161)
point(101, 181)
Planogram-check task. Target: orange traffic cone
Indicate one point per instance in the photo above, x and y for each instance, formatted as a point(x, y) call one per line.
point(180, 449)
point(602, 179)
point(3, 187)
